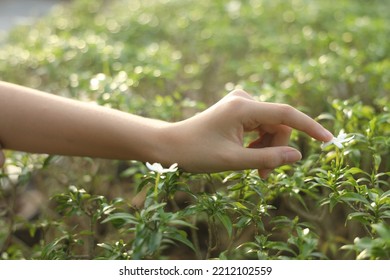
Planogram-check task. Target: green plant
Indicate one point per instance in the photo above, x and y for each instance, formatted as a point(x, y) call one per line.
point(161, 59)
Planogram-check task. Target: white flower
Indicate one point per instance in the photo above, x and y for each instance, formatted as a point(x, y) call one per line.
point(338, 141)
point(157, 167)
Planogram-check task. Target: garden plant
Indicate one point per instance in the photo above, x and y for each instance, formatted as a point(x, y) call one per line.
point(170, 59)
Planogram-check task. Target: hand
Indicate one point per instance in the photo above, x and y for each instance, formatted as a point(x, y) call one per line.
point(212, 141)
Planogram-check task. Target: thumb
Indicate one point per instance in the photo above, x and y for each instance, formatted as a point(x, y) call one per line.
point(268, 158)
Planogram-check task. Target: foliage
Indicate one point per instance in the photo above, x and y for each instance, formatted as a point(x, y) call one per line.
point(166, 59)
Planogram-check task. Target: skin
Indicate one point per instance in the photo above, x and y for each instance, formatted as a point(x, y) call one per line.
point(211, 141)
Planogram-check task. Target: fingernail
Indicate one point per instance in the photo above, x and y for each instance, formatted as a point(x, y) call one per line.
point(327, 135)
point(292, 156)
point(264, 173)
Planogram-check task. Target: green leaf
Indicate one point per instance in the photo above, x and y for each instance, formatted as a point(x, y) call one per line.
point(243, 222)
point(236, 187)
point(383, 231)
point(86, 232)
point(155, 239)
point(325, 116)
point(105, 246)
point(227, 223)
point(385, 214)
point(377, 161)
point(154, 207)
point(354, 197)
point(145, 182)
point(362, 217)
point(281, 246)
point(232, 176)
point(239, 205)
point(356, 170)
point(385, 195)
point(125, 218)
point(181, 236)
point(181, 223)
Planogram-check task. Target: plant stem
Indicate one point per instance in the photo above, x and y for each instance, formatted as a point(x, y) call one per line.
point(210, 234)
point(212, 237)
point(91, 238)
point(195, 239)
point(156, 187)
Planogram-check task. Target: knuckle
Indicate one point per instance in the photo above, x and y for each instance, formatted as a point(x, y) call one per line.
point(235, 103)
point(239, 92)
point(286, 110)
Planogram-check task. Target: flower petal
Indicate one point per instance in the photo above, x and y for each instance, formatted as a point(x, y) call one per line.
point(347, 139)
point(156, 167)
point(324, 145)
point(149, 166)
point(338, 144)
point(173, 168)
point(338, 141)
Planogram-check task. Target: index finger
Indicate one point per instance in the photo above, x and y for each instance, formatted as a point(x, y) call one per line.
point(276, 114)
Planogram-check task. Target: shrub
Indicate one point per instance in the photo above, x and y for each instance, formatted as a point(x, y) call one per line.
point(163, 59)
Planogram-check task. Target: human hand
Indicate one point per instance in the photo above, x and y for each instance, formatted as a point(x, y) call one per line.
point(212, 141)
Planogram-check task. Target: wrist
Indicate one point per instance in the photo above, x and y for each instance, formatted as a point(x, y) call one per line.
point(178, 143)
point(164, 146)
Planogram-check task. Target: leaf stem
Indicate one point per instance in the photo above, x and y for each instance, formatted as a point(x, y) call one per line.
point(156, 187)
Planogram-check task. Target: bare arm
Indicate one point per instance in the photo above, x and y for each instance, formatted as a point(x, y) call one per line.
point(211, 141)
point(37, 122)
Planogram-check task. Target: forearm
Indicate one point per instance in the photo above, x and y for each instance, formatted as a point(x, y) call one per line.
point(38, 122)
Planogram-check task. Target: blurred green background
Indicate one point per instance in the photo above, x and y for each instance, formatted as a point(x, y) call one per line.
point(302, 52)
point(169, 59)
